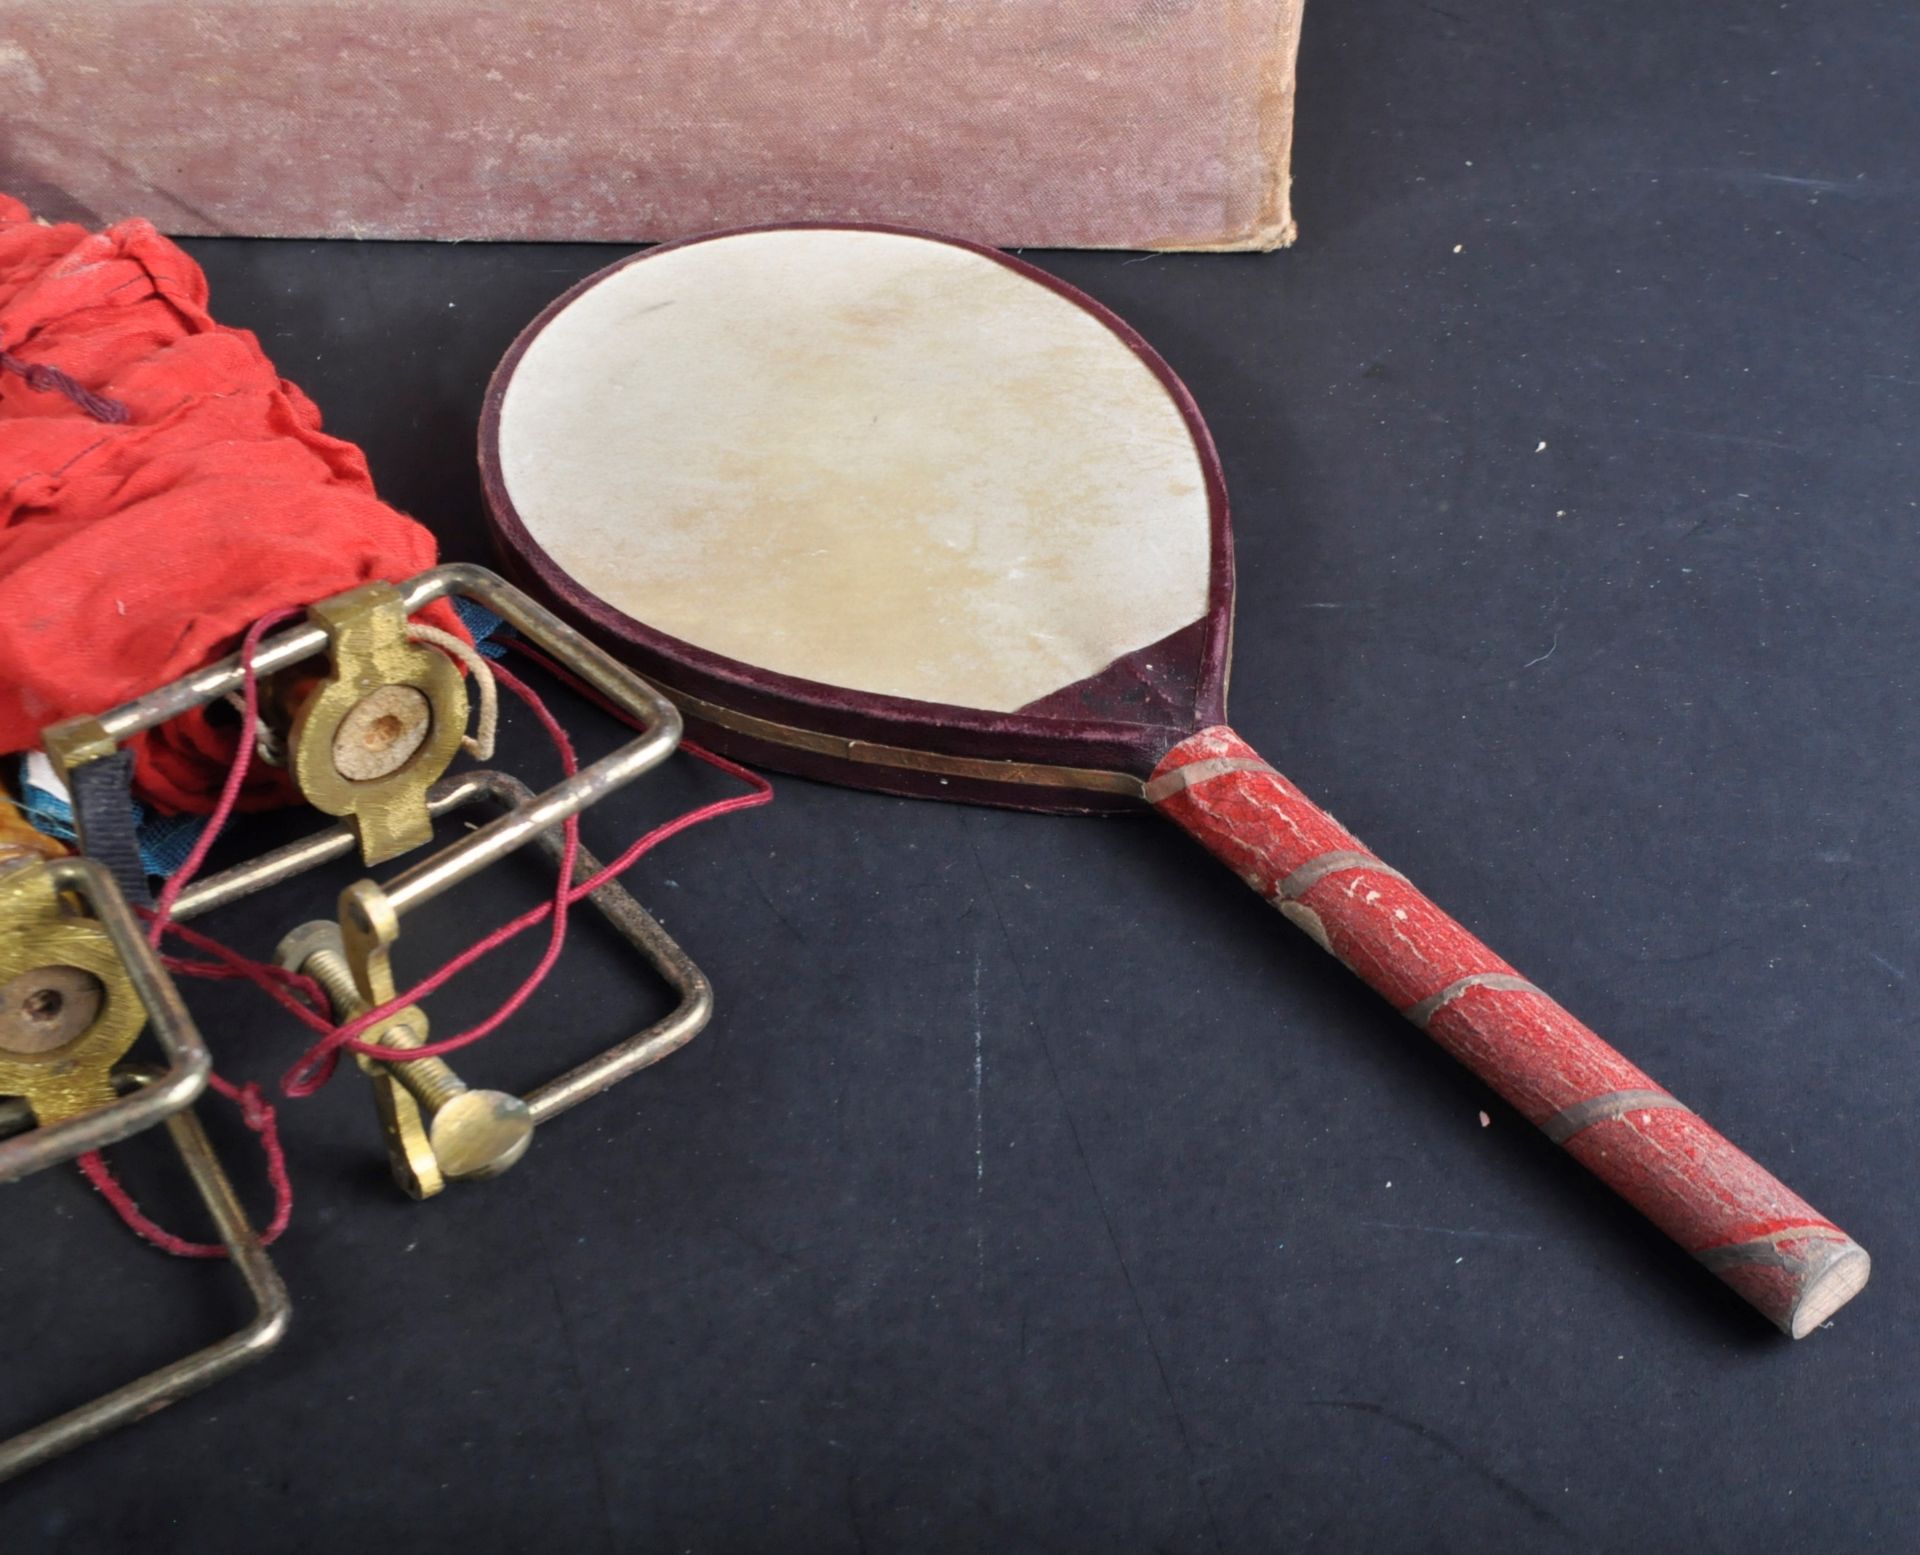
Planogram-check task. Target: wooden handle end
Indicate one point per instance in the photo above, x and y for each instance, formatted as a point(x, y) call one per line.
point(1844, 1277)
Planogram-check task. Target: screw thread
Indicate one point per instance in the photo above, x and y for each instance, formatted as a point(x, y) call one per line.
point(430, 1081)
point(333, 974)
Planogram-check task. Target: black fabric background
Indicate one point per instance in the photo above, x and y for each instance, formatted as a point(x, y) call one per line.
point(1035, 1186)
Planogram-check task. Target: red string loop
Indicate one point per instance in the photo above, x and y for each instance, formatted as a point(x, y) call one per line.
point(258, 1114)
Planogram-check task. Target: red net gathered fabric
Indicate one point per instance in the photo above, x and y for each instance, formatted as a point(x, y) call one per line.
point(134, 551)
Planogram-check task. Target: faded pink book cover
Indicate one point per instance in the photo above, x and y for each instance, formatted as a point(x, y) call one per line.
point(1045, 123)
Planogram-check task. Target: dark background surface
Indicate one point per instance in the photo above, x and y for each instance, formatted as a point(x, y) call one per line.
point(1035, 1187)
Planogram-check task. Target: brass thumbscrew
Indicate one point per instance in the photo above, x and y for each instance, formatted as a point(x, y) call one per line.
point(473, 1133)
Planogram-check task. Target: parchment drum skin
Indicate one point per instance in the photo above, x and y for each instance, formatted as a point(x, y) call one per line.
point(861, 458)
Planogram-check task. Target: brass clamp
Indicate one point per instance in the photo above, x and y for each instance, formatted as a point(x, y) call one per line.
point(371, 721)
point(78, 984)
point(76, 989)
point(369, 739)
point(385, 722)
point(436, 1127)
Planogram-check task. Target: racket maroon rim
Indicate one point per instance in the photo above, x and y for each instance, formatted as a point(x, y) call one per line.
point(1057, 743)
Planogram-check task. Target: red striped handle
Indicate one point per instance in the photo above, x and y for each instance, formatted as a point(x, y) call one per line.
point(1765, 1241)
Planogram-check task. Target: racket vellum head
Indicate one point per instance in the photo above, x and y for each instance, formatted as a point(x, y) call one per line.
point(874, 507)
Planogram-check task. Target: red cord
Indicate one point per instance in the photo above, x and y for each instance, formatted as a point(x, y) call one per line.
point(236, 776)
point(259, 1115)
point(255, 1109)
point(308, 1003)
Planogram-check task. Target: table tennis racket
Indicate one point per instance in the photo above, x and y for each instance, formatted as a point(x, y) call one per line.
point(909, 514)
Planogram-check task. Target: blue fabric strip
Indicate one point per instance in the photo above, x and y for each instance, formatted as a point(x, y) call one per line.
point(165, 840)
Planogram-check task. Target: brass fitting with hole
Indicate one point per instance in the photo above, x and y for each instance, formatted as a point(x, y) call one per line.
point(68, 1012)
point(78, 984)
point(381, 727)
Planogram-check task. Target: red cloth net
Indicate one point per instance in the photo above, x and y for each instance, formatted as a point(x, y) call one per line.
point(131, 554)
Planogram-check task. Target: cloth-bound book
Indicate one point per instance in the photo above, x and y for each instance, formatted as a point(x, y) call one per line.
point(1161, 124)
